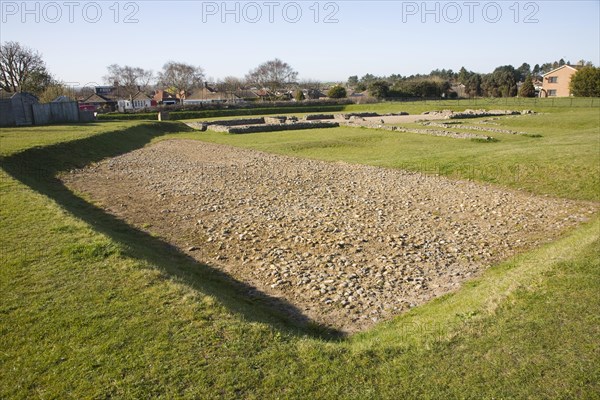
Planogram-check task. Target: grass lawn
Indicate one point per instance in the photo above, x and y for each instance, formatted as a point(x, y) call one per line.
point(562, 162)
point(93, 308)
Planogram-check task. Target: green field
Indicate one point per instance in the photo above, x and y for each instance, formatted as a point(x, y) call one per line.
point(91, 307)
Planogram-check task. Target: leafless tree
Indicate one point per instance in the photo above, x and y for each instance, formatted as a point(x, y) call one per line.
point(230, 84)
point(273, 75)
point(22, 69)
point(129, 79)
point(180, 77)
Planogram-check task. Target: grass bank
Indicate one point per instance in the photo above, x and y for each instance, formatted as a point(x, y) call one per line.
point(93, 308)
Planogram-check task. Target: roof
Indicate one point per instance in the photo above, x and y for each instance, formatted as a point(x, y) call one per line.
point(161, 95)
point(246, 94)
point(96, 98)
point(573, 67)
point(207, 93)
point(141, 96)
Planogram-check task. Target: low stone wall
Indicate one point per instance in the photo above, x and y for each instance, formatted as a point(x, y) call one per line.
point(477, 113)
point(432, 132)
point(201, 126)
point(276, 120)
point(238, 122)
point(282, 127)
point(356, 115)
point(473, 128)
point(314, 117)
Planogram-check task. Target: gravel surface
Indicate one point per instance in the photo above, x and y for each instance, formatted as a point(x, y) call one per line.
point(348, 245)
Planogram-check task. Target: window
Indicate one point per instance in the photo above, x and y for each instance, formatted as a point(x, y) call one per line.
point(551, 93)
point(553, 79)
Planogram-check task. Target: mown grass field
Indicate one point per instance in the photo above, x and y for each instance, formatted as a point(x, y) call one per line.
point(93, 308)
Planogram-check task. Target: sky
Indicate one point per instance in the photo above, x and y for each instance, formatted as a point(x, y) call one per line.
point(322, 40)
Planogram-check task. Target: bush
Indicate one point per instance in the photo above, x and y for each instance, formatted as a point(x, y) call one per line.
point(337, 92)
point(586, 82)
point(527, 88)
point(293, 108)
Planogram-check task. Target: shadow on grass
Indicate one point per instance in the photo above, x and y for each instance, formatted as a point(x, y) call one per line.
point(37, 168)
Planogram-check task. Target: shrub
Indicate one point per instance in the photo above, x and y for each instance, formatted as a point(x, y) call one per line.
point(337, 92)
point(586, 82)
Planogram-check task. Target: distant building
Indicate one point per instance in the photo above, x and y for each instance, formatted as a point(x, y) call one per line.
point(162, 97)
point(556, 82)
point(136, 102)
point(246, 95)
point(207, 94)
point(459, 89)
point(104, 98)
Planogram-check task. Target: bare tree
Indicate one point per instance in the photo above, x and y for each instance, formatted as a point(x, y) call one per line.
point(130, 79)
point(180, 77)
point(230, 84)
point(22, 69)
point(273, 75)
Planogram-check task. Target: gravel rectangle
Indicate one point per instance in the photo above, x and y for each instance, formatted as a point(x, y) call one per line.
point(348, 245)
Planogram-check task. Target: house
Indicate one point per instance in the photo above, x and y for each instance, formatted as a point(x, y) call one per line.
point(460, 90)
point(313, 94)
point(264, 94)
point(136, 102)
point(246, 95)
point(206, 94)
point(556, 82)
point(162, 97)
point(104, 98)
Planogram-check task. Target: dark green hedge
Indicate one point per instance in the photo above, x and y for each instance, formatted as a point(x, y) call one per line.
point(177, 115)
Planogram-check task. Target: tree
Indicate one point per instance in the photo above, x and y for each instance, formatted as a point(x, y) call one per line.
point(463, 75)
point(273, 75)
point(22, 69)
point(586, 82)
point(130, 79)
point(527, 89)
point(337, 92)
point(524, 70)
point(229, 84)
point(473, 85)
point(299, 95)
point(502, 82)
point(546, 67)
point(352, 81)
point(379, 89)
point(54, 90)
point(180, 78)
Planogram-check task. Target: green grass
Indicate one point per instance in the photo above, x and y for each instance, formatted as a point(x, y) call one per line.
point(562, 162)
point(93, 308)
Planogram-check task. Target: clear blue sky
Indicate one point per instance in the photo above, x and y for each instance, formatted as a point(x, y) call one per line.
point(322, 40)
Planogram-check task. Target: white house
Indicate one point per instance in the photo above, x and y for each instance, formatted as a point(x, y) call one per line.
point(137, 102)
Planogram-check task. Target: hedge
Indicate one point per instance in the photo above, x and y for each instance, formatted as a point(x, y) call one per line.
point(229, 112)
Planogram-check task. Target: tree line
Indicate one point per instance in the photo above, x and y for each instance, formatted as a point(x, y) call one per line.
point(23, 69)
point(504, 81)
